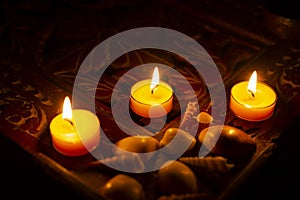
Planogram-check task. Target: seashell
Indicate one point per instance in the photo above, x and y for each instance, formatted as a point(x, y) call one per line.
point(175, 177)
point(189, 196)
point(131, 161)
point(136, 144)
point(122, 187)
point(183, 140)
point(209, 163)
point(204, 118)
point(227, 141)
point(188, 120)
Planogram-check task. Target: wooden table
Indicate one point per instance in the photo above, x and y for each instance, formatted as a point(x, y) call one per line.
point(43, 46)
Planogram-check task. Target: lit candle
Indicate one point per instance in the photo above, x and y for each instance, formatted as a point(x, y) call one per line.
point(151, 98)
point(252, 101)
point(75, 132)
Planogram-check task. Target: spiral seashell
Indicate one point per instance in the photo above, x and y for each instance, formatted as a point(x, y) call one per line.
point(213, 164)
point(189, 196)
point(131, 161)
point(189, 116)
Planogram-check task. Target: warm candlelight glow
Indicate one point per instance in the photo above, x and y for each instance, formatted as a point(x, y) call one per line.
point(74, 137)
point(67, 109)
point(252, 84)
point(155, 80)
point(154, 103)
point(259, 106)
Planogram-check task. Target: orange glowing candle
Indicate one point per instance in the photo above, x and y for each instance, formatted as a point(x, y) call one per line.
point(151, 98)
point(252, 101)
point(74, 132)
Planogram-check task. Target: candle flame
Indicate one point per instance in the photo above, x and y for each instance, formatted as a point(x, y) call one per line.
point(155, 79)
point(252, 83)
point(67, 109)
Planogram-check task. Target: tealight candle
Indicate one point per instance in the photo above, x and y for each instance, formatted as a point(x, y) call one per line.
point(151, 98)
point(75, 132)
point(252, 101)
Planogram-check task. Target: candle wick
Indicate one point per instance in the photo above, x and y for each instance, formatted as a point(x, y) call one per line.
point(152, 90)
point(72, 124)
point(252, 93)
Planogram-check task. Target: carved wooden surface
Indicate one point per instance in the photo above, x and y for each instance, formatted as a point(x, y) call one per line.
point(43, 46)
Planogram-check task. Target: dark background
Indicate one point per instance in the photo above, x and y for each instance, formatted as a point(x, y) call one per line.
point(278, 178)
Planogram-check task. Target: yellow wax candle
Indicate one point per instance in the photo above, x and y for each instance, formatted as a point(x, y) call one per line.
point(252, 101)
point(76, 133)
point(151, 98)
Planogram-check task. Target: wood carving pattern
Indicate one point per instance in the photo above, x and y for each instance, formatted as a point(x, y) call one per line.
point(289, 80)
point(23, 115)
point(51, 49)
point(24, 106)
point(57, 50)
point(17, 110)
